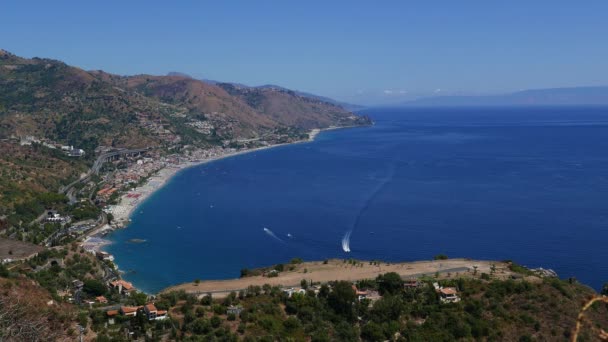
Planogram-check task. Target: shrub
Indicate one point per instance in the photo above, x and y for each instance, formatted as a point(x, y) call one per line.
point(296, 261)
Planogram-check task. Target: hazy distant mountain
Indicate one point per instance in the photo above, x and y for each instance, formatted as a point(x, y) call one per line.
point(548, 97)
point(347, 106)
point(177, 73)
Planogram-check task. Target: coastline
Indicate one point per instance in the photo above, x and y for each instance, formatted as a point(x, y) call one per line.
point(130, 201)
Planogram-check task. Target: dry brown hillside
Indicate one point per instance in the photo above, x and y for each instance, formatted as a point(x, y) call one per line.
point(28, 313)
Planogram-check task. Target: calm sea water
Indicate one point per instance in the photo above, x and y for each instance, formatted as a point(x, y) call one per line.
point(525, 184)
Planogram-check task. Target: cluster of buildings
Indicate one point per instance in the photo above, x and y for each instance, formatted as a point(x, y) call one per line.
point(72, 152)
point(224, 126)
point(149, 311)
point(68, 150)
point(203, 127)
point(446, 294)
point(53, 216)
point(105, 193)
point(361, 294)
point(123, 287)
point(156, 126)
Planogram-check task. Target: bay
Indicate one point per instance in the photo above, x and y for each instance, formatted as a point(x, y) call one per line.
point(526, 184)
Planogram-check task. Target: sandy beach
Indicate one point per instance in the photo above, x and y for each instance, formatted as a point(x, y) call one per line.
point(129, 202)
point(339, 270)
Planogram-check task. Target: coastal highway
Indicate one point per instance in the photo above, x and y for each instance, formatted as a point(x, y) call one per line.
point(68, 189)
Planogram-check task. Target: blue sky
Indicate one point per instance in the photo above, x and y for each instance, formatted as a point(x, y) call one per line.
point(358, 51)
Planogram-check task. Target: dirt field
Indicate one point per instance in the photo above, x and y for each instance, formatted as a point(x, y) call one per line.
point(18, 249)
point(338, 270)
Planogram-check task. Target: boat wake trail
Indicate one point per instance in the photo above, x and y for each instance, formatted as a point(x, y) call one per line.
point(269, 232)
point(366, 204)
point(346, 241)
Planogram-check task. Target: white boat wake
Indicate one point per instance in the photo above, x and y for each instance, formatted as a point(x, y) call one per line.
point(269, 232)
point(346, 241)
point(366, 204)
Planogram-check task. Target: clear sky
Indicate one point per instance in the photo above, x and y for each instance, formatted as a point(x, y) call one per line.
point(359, 51)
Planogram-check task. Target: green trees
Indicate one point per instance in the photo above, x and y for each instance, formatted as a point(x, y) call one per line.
point(341, 299)
point(605, 290)
point(4, 273)
point(372, 332)
point(296, 261)
point(389, 308)
point(389, 283)
point(94, 287)
point(84, 211)
point(139, 298)
point(206, 300)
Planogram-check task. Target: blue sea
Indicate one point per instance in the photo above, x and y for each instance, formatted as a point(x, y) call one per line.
point(526, 184)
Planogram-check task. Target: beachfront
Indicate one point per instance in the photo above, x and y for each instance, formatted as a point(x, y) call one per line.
point(129, 201)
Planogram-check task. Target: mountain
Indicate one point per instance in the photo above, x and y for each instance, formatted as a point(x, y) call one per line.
point(177, 73)
point(52, 103)
point(48, 98)
point(346, 106)
point(283, 105)
point(545, 97)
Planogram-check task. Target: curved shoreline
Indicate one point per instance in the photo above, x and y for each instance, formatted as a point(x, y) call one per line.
point(130, 201)
point(128, 204)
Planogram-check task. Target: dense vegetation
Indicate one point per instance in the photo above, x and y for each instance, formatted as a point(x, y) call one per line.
point(26, 171)
point(522, 309)
point(489, 310)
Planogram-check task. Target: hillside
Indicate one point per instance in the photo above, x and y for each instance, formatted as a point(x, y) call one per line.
point(48, 98)
point(283, 106)
point(514, 304)
point(47, 102)
point(523, 306)
point(489, 310)
point(29, 313)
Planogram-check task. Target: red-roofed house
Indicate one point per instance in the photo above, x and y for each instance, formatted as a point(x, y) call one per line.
point(366, 294)
point(448, 295)
point(112, 313)
point(153, 313)
point(101, 299)
point(122, 286)
point(129, 310)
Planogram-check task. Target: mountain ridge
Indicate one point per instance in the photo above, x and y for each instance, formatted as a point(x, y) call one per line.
point(73, 105)
point(345, 105)
point(51, 103)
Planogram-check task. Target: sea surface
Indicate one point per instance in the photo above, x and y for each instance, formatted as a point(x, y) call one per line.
point(525, 184)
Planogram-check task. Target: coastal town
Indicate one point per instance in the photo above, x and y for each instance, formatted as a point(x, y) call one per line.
point(103, 200)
